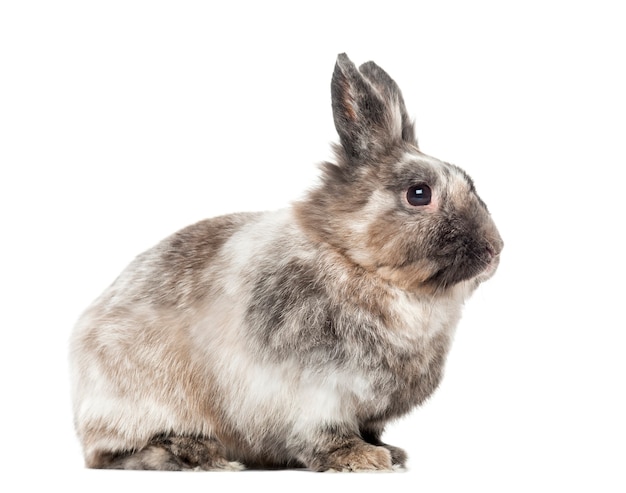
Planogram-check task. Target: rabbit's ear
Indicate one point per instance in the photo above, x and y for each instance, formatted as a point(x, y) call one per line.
point(368, 109)
point(391, 92)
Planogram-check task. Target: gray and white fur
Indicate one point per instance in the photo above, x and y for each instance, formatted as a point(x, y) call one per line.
point(290, 338)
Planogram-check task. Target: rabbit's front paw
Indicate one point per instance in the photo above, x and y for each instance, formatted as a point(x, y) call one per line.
point(354, 457)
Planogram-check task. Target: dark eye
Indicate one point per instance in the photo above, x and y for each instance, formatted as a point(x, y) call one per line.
point(419, 194)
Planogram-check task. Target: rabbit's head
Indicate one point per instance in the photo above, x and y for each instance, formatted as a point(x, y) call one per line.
point(414, 220)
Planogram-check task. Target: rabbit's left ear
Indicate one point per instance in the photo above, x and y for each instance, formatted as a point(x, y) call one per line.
point(368, 109)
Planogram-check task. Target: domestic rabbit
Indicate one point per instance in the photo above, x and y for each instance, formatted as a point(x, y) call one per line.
point(290, 338)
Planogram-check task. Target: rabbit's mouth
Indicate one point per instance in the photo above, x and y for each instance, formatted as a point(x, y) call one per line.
point(479, 265)
point(489, 262)
point(490, 268)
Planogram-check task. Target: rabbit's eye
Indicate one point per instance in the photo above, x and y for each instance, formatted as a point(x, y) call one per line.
point(419, 194)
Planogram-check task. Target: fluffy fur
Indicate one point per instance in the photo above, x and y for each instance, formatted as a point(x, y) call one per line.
point(290, 338)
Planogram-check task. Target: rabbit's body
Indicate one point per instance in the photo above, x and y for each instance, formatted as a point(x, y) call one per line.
point(285, 338)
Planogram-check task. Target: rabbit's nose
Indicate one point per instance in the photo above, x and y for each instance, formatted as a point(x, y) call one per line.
point(493, 240)
point(493, 246)
point(499, 245)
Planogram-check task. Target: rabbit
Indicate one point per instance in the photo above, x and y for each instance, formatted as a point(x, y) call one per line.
point(290, 338)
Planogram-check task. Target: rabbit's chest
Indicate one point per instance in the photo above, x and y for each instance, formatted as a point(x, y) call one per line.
point(417, 344)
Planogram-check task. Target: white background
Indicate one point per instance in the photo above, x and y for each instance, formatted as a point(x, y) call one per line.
point(121, 122)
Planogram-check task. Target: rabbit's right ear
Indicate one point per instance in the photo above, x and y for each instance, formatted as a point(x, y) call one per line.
point(368, 109)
